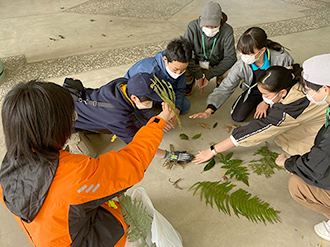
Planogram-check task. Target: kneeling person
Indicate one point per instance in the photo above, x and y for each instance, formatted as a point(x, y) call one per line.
point(122, 106)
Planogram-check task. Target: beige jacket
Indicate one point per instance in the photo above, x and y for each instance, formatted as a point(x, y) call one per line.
point(293, 122)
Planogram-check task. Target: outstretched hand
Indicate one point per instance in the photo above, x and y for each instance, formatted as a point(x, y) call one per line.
point(203, 156)
point(205, 114)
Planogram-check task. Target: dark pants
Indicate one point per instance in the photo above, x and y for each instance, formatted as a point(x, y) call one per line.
point(241, 110)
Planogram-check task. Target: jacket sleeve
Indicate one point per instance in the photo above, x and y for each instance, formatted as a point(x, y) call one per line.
point(229, 57)
point(260, 130)
point(226, 88)
point(313, 167)
point(194, 68)
point(115, 171)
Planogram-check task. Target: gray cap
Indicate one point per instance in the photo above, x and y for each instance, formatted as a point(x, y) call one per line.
point(210, 15)
point(317, 70)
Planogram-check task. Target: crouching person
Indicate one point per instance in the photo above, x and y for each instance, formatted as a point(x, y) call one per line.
point(122, 106)
point(310, 183)
point(58, 198)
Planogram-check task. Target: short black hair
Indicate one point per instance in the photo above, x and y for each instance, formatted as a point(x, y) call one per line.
point(178, 50)
point(37, 119)
point(311, 85)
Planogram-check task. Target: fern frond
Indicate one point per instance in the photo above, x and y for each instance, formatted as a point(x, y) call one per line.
point(166, 93)
point(234, 169)
point(266, 164)
point(253, 209)
point(136, 216)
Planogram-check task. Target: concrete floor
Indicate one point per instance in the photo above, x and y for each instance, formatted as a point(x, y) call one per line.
point(101, 39)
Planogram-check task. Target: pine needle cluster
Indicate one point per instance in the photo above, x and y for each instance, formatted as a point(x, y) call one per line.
point(266, 164)
point(254, 209)
point(166, 92)
point(138, 219)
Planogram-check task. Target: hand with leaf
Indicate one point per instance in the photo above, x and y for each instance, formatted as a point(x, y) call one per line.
point(207, 154)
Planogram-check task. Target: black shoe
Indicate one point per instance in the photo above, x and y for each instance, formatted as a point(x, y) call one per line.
point(189, 87)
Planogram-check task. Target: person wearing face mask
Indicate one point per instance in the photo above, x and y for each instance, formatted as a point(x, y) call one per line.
point(310, 181)
point(169, 65)
point(291, 119)
point(122, 107)
point(212, 41)
point(257, 54)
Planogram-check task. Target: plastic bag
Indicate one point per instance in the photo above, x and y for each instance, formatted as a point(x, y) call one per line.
point(162, 232)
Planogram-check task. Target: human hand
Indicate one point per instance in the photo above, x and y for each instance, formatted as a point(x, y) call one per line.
point(280, 160)
point(201, 83)
point(166, 113)
point(178, 156)
point(205, 114)
point(261, 110)
point(171, 123)
point(203, 156)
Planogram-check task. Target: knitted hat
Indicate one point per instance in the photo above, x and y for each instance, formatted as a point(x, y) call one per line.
point(317, 70)
point(211, 15)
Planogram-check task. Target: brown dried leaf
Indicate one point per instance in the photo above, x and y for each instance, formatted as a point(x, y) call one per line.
point(233, 126)
point(204, 125)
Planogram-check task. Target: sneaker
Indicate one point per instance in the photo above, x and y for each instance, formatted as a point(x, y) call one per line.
point(323, 230)
point(189, 87)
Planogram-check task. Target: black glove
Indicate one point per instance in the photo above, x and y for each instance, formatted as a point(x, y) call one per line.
point(179, 156)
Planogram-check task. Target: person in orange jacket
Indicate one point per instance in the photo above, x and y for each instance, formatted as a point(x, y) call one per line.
point(58, 198)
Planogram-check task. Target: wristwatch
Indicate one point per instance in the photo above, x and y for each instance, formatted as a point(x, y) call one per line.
point(213, 150)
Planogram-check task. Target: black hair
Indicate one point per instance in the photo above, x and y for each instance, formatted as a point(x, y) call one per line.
point(276, 78)
point(178, 50)
point(256, 38)
point(37, 119)
point(311, 85)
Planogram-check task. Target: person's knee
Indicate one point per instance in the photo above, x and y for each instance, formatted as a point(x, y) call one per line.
point(237, 117)
point(295, 187)
point(185, 106)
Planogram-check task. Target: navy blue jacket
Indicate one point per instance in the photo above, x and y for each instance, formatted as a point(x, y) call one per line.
point(156, 66)
point(124, 120)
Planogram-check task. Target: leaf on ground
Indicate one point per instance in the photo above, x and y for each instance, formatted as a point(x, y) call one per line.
point(92, 20)
point(52, 39)
point(184, 137)
point(104, 35)
point(209, 165)
point(204, 125)
point(197, 136)
point(61, 36)
point(215, 125)
point(233, 126)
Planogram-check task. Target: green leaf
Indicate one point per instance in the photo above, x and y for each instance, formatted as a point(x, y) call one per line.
point(61, 36)
point(266, 164)
point(184, 137)
point(228, 156)
point(138, 219)
point(209, 165)
point(103, 35)
point(92, 20)
point(215, 125)
point(52, 39)
point(197, 136)
point(239, 201)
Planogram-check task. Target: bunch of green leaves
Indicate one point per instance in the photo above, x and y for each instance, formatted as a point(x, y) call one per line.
point(266, 164)
point(234, 168)
point(254, 209)
point(166, 92)
point(138, 219)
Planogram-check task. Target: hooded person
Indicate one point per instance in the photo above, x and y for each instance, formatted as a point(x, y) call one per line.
point(310, 181)
point(212, 42)
point(122, 106)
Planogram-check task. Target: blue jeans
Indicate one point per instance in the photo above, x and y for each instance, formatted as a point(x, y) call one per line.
point(185, 106)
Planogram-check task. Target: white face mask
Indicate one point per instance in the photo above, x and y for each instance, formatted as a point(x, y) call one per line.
point(250, 59)
point(310, 98)
point(270, 101)
point(172, 74)
point(147, 105)
point(210, 32)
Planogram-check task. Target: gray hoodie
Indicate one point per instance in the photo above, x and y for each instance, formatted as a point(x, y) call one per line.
point(242, 72)
point(223, 55)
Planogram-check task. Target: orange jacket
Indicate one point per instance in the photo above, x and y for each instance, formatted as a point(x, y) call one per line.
point(74, 212)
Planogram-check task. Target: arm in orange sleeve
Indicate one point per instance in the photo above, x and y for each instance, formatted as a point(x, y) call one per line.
point(115, 171)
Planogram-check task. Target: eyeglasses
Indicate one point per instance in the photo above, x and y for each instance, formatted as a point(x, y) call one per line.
point(75, 116)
